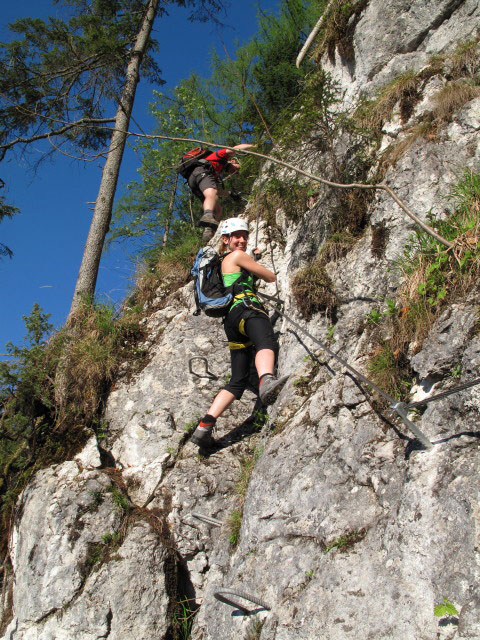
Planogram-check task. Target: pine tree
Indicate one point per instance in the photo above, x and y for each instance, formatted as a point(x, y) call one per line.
point(59, 79)
point(6, 211)
point(238, 102)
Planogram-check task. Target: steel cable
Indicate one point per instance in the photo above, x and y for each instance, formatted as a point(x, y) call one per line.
point(398, 407)
point(444, 394)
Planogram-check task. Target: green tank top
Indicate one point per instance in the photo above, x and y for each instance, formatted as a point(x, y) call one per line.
point(231, 278)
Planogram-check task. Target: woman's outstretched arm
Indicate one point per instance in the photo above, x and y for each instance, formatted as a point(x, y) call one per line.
point(244, 261)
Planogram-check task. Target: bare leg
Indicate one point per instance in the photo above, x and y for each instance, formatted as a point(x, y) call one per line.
point(264, 361)
point(222, 401)
point(211, 200)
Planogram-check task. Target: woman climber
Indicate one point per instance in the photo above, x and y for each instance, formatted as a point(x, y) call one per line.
point(248, 329)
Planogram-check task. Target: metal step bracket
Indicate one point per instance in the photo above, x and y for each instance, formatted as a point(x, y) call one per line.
point(208, 374)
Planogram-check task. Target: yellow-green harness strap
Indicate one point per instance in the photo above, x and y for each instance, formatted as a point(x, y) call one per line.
point(241, 327)
point(239, 296)
point(239, 345)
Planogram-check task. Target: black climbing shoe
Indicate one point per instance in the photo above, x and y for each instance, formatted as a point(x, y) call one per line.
point(270, 388)
point(202, 436)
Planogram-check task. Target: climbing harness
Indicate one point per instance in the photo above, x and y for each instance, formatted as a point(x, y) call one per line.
point(220, 594)
point(395, 406)
point(209, 520)
point(208, 374)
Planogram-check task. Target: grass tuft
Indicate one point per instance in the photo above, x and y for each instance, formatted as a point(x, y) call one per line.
point(434, 277)
point(372, 114)
point(183, 617)
point(166, 271)
point(313, 290)
point(254, 630)
point(465, 61)
point(345, 542)
point(338, 29)
point(234, 526)
point(452, 98)
point(240, 489)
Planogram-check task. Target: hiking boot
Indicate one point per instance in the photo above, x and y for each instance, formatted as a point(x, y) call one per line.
point(270, 388)
point(207, 234)
point(208, 220)
point(202, 436)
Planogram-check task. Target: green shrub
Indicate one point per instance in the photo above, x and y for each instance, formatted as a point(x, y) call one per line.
point(435, 274)
point(37, 429)
point(287, 194)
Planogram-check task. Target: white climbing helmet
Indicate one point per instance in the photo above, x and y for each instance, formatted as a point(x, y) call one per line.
point(233, 224)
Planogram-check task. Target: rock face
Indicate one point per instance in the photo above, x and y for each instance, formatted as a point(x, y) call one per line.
point(348, 528)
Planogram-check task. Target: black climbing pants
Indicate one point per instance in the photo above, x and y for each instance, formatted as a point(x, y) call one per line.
point(248, 330)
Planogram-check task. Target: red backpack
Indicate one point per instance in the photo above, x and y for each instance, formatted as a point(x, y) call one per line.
point(192, 159)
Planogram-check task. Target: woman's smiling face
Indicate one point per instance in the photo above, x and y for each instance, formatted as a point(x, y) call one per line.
point(237, 240)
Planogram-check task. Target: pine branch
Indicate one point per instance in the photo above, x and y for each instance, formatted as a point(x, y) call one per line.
point(54, 132)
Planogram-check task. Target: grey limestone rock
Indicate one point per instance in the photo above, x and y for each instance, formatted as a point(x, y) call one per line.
point(70, 582)
point(348, 530)
point(443, 350)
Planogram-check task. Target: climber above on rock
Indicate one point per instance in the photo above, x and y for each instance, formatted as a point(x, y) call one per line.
point(248, 329)
point(205, 182)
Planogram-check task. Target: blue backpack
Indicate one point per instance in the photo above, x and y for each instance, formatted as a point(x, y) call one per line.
point(211, 295)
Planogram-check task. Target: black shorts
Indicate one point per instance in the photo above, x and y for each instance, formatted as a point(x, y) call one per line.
point(248, 330)
point(201, 179)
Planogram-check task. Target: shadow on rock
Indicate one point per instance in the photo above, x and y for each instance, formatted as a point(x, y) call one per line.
point(253, 424)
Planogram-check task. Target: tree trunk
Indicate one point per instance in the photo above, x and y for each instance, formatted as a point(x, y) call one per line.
point(87, 276)
point(171, 204)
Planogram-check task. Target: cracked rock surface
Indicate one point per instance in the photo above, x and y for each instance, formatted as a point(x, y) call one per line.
point(341, 523)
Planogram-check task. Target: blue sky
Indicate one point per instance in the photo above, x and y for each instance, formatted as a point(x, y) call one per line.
point(49, 234)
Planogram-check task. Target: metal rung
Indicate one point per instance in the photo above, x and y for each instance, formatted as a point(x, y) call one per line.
point(207, 519)
point(208, 374)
